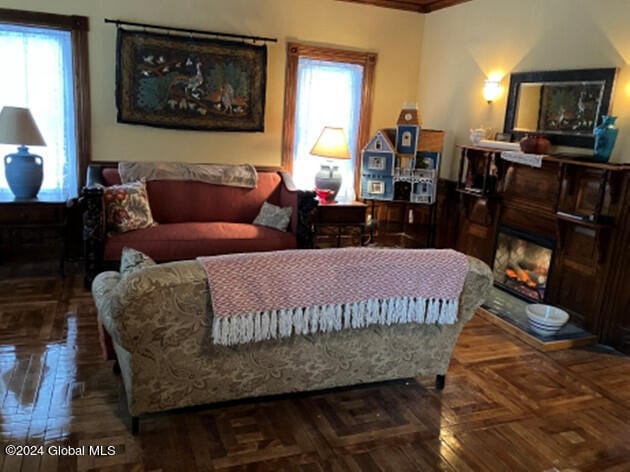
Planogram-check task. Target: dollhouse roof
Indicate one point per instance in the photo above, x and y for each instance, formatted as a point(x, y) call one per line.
point(409, 116)
point(390, 134)
point(387, 137)
point(431, 140)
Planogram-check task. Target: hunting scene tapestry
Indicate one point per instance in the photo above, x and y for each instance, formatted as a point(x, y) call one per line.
point(191, 83)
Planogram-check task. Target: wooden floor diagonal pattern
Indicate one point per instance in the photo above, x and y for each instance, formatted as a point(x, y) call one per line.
point(506, 407)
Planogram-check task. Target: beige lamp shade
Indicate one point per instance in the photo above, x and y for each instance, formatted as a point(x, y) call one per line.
point(17, 126)
point(332, 143)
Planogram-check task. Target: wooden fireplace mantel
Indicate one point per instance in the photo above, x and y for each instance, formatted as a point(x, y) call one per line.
point(563, 158)
point(583, 206)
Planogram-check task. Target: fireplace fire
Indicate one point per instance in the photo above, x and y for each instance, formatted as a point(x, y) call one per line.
point(522, 263)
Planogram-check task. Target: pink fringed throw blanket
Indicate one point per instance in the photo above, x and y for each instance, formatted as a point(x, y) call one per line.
point(266, 295)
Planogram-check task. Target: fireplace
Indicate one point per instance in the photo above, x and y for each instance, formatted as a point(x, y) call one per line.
point(522, 263)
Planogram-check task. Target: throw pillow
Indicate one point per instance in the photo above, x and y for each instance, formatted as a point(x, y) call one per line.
point(127, 207)
point(274, 216)
point(132, 261)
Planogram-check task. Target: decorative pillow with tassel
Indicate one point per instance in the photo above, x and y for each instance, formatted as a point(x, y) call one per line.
point(127, 207)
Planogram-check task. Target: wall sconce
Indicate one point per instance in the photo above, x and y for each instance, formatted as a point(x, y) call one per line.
point(491, 90)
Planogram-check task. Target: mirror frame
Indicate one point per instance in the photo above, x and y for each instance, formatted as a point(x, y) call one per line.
point(577, 75)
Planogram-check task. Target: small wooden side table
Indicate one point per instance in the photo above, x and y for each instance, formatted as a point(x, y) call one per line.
point(340, 224)
point(28, 227)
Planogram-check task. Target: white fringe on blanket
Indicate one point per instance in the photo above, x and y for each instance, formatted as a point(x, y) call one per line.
point(275, 324)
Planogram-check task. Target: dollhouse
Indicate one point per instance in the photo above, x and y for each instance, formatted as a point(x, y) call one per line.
point(404, 171)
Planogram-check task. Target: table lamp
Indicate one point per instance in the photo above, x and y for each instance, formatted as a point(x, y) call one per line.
point(332, 144)
point(24, 171)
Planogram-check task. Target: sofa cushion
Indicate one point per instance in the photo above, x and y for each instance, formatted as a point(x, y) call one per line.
point(178, 241)
point(175, 201)
point(274, 216)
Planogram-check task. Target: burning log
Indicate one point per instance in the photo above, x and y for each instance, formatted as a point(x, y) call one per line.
point(510, 273)
point(526, 277)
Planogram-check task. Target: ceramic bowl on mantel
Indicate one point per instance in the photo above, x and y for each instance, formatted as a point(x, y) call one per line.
point(535, 144)
point(545, 320)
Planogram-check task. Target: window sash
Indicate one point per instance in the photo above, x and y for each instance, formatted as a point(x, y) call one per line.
point(295, 51)
point(39, 75)
point(78, 26)
point(328, 94)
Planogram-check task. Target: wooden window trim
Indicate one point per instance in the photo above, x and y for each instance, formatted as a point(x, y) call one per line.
point(295, 51)
point(78, 26)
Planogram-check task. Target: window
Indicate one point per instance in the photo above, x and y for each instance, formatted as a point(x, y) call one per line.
point(44, 60)
point(326, 87)
point(376, 163)
point(406, 138)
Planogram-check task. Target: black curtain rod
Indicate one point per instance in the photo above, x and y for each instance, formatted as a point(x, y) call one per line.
point(192, 31)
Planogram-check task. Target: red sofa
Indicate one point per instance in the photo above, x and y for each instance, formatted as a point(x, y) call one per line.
point(194, 219)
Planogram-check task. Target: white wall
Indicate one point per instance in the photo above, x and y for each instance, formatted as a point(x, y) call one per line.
point(396, 36)
point(464, 44)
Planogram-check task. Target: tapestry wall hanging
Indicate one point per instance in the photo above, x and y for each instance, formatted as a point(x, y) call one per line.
point(183, 82)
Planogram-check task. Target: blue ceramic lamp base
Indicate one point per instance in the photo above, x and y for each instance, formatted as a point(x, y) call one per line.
point(24, 172)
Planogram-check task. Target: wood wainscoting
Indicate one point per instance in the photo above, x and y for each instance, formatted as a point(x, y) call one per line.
point(583, 206)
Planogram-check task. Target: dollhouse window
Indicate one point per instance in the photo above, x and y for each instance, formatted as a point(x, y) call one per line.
point(406, 138)
point(378, 145)
point(376, 163)
point(376, 187)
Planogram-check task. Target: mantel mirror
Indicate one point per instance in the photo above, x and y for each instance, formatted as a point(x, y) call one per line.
point(565, 106)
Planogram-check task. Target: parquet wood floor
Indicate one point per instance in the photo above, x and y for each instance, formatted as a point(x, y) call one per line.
point(506, 407)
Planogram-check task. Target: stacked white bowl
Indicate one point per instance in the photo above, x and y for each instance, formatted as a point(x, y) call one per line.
point(545, 320)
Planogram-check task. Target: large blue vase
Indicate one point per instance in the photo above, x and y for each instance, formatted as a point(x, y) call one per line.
point(24, 172)
point(605, 137)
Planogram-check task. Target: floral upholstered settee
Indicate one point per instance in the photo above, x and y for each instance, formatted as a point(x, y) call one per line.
point(160, 320)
